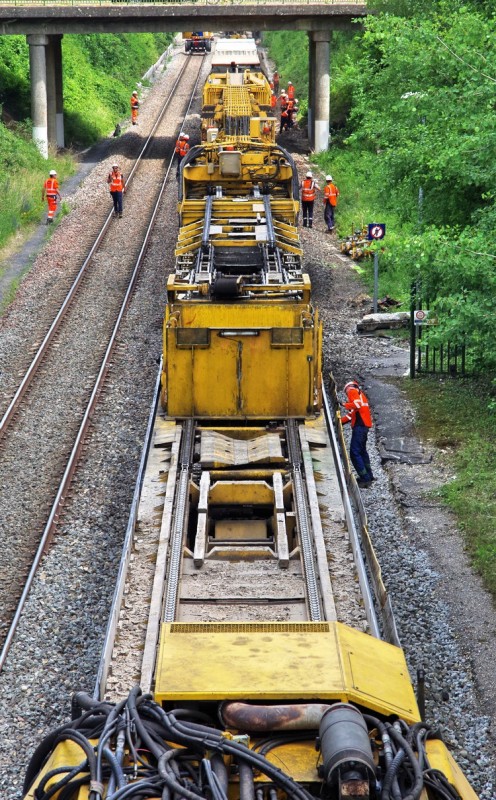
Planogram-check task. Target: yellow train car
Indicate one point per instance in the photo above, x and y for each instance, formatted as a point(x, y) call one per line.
point(242, 339)
point(198, 41)
point(237, 103)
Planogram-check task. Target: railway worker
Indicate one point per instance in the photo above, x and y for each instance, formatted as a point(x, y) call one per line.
point(358, 413)
point(275, 81)
point(291, 109)
point(283, 100)
point(308, 189)
point(331, 194)
point(290, 91)
point(284, 126)
point(117, 185)
point(134, 108)
point(182, 147)
point(51, 192)
point(273, 101)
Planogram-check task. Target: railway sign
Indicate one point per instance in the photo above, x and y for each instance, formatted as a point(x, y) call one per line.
point(420, 316)
point(376, 231)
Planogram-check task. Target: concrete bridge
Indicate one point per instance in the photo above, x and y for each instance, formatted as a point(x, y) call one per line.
point(44, 24)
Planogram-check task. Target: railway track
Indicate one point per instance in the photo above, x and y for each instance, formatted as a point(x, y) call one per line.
point(65, 390)
point(186, 561)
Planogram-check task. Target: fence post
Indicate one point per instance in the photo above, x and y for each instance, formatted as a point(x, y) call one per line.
point(413, 294)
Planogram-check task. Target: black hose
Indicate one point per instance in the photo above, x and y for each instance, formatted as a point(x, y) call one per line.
point(392, 774)
point(416, 790)
point(55, 787)
point(246, 782)
point(220, 771)
point(166, 774)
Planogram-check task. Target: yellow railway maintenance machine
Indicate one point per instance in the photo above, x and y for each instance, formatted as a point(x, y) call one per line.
point(241, 337)
point(278, 701)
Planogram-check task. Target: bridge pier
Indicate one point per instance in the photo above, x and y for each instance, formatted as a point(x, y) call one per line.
point(319, 89)
point(45, 63)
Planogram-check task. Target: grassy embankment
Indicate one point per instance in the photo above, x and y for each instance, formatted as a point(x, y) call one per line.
point(100, 71)
point(455, 415)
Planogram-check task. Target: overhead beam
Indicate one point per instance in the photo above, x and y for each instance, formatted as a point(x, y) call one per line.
point(161, 17)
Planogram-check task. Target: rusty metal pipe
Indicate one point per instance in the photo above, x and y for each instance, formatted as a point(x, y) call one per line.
point(261, 719)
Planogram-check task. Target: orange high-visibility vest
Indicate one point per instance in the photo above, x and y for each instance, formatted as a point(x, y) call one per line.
point(357, 404)
point(273, 101)
point(308, 191)
point(51, 187)
point(134, 102)
point(183, 147)
point(331, 192)
point(290, 91)
point(116, 181)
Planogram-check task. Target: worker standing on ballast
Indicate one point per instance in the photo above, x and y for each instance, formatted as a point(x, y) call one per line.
point(358, 413)
point(275, 81)
point(117, 185)
point(308, 193)
point(331, 194)
point(51, 192)
point(181, 148)
point(290, 91)
point(134, 108)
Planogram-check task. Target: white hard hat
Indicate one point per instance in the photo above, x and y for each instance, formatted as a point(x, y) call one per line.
point(182, 135)
point(115, 166)
point(135, 92)
point(309, 174)
point(328, 177)
point(52, 172)
point(296, 101)
point(289, 83)
point(185, 136)
point(351, 385)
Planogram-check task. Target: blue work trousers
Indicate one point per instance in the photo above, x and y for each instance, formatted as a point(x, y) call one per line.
point(358, 452)
point(117, 198)
point(329, 215)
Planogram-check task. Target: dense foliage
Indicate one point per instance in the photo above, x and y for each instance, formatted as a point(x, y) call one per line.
point(100, 71)
point(417, 150)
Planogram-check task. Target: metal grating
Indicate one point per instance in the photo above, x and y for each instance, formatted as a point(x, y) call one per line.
point(251, 627)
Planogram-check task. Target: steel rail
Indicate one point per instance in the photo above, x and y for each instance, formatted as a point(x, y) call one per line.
point(179, 522)
point(351, 525)
point(303, 524)
point(43, 349)
point(78, 444)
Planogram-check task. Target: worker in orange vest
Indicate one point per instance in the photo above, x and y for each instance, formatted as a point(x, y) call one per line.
point(134, 108)
point(117, 185)
point(51, 192)
point(273, 101)
point(284, 126)
point(308, 193)
point(283, 100)
point(290, 91)
point(358, 413)
point(275, 81)
point(181, 148)
point(331, 194)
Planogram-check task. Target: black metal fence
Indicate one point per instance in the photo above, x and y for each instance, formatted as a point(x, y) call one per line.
point(445, 358)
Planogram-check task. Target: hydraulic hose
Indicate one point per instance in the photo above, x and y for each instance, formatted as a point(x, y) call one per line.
point(418, 785)
point(246, 782)
point(392, 774)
